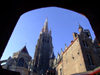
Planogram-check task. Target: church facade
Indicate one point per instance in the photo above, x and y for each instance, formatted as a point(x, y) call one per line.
point(82, 55)
point(44, 51)
point(19, 62)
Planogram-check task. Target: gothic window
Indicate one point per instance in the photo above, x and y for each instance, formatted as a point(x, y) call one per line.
point(87, 34)
point(90, 61)
point(26, 65)
point(42, 40)
point(47, 41)
point(85, 44)
point(21, 62)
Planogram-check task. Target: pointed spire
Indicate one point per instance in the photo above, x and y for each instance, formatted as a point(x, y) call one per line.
point(53, 56)
point(45, 27)
point(61, 51)
point(50, 31)
point(58, 55)
point(46, 22)
point(65, 46)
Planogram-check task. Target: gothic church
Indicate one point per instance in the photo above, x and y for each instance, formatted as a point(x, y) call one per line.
point(82, 55)
point(44, 51)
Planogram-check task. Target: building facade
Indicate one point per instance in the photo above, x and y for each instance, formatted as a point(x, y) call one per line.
point(80, 56)
point(19, 62)
point(43, 57)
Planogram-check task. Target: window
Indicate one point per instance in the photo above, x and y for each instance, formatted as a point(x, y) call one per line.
point(47, 41)
point(87, 34)
point(85, 44)
point(78, 53)
point(60, 71)
point(43, 40)
point(72, 57)
point(21, 62)
point(26, 65)
point(90, 61)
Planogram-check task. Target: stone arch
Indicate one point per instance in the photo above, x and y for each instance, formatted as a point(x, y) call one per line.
point(18, 7)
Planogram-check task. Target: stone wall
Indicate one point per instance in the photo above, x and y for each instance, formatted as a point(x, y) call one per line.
point(58, 68)
point(73, 61)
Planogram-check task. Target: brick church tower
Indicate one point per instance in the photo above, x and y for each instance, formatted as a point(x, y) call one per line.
point(44, 50)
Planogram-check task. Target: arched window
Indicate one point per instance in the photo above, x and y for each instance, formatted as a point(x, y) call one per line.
point(43, 40)
point(21, 62)
point(90, 60)
point(85, 44)
point(26, 66)
point(47, 41)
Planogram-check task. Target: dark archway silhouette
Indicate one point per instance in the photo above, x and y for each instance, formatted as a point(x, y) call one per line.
point(13, 9)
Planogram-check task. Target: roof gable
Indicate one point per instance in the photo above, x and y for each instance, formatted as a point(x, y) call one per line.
point(24, 50)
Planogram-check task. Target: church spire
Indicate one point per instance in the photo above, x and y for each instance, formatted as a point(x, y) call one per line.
point(45, 27)
point(50, 31)
point(43, 50)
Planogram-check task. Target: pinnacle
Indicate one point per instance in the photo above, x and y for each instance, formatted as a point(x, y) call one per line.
point(45, 27)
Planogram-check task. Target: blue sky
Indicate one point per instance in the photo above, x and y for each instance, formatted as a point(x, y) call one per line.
point(62, 22)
